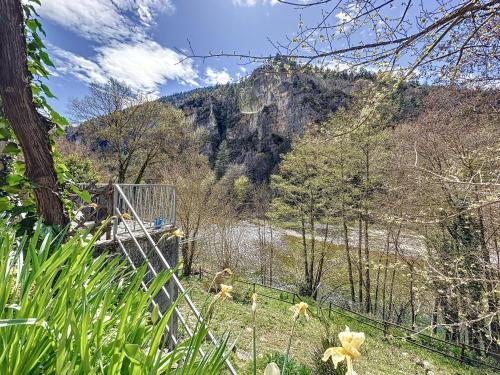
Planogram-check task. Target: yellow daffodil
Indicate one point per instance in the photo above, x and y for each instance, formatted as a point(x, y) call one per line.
point(225, 291)
point(349, 351)
point(300, 309)
point(126, 216)
point(178, 233)
point(272, 369)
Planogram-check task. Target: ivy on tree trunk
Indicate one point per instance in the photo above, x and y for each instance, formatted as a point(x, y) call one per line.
point(29, 126)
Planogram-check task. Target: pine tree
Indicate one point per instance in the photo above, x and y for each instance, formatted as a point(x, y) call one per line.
point(222, 160)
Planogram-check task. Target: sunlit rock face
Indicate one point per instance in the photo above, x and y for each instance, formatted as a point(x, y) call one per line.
point(260, 115)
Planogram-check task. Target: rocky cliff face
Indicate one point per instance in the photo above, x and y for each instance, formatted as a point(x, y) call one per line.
point(259, 116)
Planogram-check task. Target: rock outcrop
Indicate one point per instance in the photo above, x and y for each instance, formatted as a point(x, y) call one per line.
point(260, 115)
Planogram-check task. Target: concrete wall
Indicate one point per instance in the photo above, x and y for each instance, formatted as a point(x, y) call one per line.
point(169, 249)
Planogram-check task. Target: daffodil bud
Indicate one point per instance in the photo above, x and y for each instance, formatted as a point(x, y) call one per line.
point(272, 369)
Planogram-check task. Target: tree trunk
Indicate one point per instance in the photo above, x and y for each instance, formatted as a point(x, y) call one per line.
point(391, 293)
point(187, 258)
point(360, 263)
point(304, 249)
point(412, 297)
point(368, 301)
point(271, 255)
point(30, 128)
point(435, 311)
point(349, 263)
point(377, 284)
point(312, 252)
point(319, 271)
point(384, 287)
point(144, 166)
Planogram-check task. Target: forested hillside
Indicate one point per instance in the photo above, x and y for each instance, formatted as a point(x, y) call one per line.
point(253, 122)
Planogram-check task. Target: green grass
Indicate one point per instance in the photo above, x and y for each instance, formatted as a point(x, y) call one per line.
point(379, 356)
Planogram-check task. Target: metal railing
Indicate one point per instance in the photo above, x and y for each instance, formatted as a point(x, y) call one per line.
point(154, 205)
point(124, 205)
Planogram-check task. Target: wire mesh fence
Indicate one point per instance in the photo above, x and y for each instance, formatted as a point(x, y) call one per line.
point(463, 353)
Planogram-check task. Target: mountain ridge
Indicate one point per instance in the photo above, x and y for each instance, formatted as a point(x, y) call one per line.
point(259, 116)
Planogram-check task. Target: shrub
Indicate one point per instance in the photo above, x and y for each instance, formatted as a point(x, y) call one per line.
point(62, 311)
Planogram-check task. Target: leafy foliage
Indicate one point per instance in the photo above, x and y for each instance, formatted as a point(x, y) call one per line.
point(16, 200)
point(63, 311)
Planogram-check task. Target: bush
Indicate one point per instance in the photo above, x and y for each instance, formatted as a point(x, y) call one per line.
point(62, 311)
point(292, 367)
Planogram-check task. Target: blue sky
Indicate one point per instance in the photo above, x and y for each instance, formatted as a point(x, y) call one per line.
point(137, 41)
point(143, 42)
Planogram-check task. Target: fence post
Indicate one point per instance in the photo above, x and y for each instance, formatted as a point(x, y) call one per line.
point(254, 287)
point(330, 310)
point(462, 354)
point(386, 327)
point(293, 300)
point(200, 275)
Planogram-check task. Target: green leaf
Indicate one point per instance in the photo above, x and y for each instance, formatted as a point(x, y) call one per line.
point(17, 322)
point(135, 354)
point(83, 194)
point(35, 89)
point(44, 56)
point(20, 167)
point(57, 118)
point(47, 91)
point(155, 314)
point(11, 148)
point(5, 204)
point(32, 25)
point(15, 179)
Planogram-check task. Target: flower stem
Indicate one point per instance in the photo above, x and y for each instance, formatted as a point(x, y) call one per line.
point(254, 351)
point(288, 347)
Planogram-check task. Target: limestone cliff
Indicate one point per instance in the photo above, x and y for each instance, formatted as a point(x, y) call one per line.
point(260, 115)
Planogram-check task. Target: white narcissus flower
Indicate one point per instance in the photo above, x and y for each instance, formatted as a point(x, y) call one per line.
point(300, 309)
point(225, 291)
point(254, 302)
point(351, 342)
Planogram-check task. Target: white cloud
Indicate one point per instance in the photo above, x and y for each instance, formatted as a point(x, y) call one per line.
point(217, 77)
point(84, 69)
point(245, 3)
point(143, 65)
point(123, 48)
point(346, 16)
point(337, 65)
point(252, 3)
point(101, 20)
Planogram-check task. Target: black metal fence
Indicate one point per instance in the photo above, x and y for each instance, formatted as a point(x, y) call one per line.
point(463, 353)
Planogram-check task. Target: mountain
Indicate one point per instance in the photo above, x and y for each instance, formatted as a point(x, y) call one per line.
point(259, 116)
point(252, 123)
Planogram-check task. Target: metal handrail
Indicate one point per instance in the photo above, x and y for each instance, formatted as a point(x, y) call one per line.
point(183, 292)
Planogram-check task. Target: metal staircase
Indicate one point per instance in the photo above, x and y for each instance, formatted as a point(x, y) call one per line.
point(139, 209)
